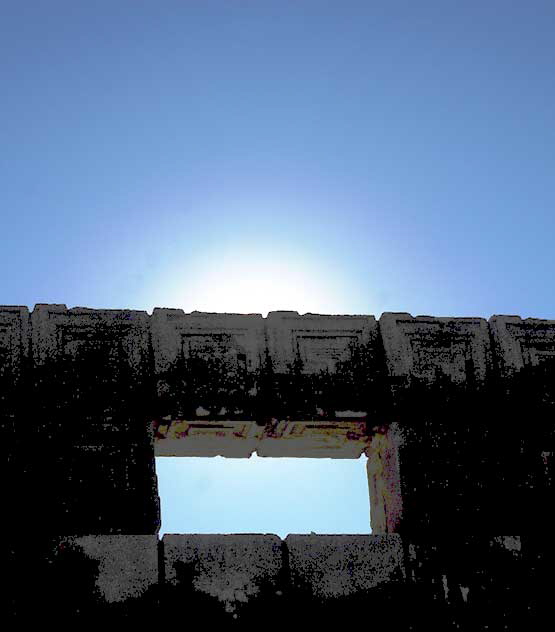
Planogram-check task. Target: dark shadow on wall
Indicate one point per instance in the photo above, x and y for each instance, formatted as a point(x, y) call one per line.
point(85, 451)
point(54, 581)
point(477, 458)
point(218, 380)
point(181, 596)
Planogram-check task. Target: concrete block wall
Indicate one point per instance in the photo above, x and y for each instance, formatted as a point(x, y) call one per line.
point(245, 580)
point(458, 412)
point(220, 578)
point(84, 450)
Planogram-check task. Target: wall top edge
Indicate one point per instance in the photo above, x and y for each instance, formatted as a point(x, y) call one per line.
point(14, 308)
point(272, 315)
point(514, 318)
point(408, 316)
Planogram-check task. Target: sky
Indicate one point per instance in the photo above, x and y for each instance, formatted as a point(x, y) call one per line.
point(247, 156)
point(263, 495)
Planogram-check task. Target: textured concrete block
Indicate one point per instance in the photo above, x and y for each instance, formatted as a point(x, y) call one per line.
point(206, 364)
point(331, 566)
point(127, 564)
point(91, 370)
point(319, 341)
point(420, 346)
point(233, 570)
point(238, 338)
point(519, 343)
point(59, 332)
point(92, 439)
point(325, 439)
point(209, 438)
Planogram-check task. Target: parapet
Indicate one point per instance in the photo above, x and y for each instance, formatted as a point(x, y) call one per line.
point(245, 367)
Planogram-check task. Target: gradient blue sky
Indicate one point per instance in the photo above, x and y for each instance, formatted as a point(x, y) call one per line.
point(334, 157)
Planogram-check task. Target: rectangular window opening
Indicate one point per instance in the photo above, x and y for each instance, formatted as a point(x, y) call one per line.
point(278, 495)
point(281, 477)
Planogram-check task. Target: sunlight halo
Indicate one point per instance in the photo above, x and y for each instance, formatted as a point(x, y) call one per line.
point(249, 284)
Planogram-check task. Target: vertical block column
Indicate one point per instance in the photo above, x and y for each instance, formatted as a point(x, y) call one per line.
point(92, 456)
point(439, 370)
point(524, 352)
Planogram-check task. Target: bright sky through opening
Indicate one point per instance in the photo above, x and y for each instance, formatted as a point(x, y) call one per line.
point(263, 495)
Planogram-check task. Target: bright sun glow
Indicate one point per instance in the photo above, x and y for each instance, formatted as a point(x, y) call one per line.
point(252, 285)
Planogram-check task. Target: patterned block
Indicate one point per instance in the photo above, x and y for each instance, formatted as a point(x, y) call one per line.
point(59, 332)
point(206, 364)
point(90, 364)
point(325, 439)
point(319, 341)
point(91, 372)
point(519, 343)
point(420, 346)
point(192, 438)
point(235, 338)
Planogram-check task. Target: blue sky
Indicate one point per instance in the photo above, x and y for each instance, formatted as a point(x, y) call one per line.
point(263, 495)
point(334, 157)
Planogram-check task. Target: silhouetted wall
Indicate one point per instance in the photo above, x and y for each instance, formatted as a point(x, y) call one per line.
point(459, 418)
